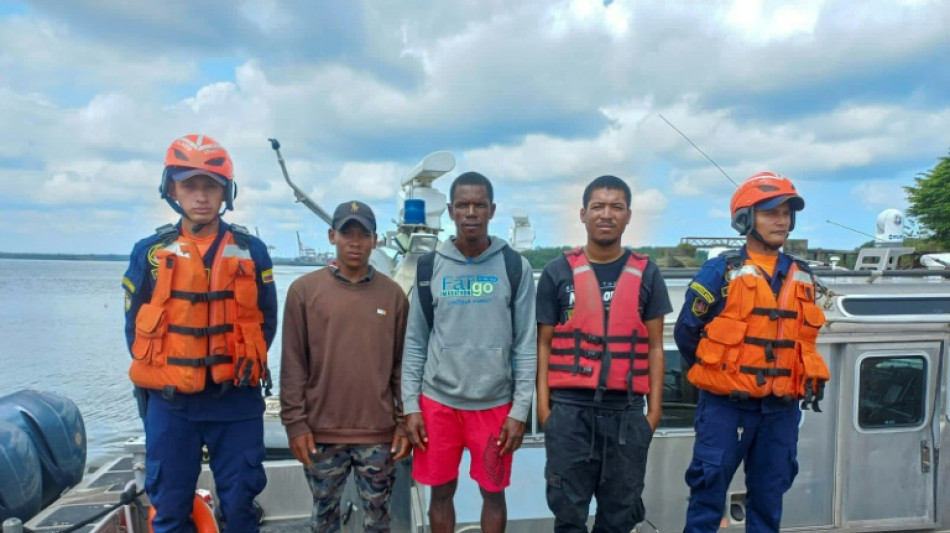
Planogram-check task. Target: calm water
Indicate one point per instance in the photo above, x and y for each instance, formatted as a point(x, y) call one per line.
point(61, 330)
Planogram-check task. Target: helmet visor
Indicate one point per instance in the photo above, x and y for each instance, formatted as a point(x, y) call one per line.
point(795, 202)
point(181, 174)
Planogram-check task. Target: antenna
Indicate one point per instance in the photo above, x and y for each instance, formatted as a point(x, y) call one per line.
point(301, 196)
point(698, 149)
point(854, 230)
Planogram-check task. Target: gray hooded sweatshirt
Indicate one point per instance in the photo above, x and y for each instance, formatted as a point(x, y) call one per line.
point(474, 358)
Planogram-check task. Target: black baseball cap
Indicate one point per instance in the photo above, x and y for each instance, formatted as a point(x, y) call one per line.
point(354, 210)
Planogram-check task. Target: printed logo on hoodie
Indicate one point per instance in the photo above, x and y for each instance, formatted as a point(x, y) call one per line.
point(468, 286)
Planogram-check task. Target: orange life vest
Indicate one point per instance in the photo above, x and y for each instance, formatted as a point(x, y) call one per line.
point(582, 355)
point(760, 345)
point(198, 319)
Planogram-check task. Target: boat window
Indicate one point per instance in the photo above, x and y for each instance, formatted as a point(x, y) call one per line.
point(892, 392)
point(896, 305)
point(679, 395)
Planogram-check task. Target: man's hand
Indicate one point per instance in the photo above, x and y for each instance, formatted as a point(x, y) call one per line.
point(416, 428)
point(302, 446)
point(653, 417)
point(544, 412)
point(512, 431)
point(400, 447)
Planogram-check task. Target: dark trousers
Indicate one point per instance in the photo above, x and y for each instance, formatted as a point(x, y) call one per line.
point(767, 443)
point(173, 463)
point(596, 452)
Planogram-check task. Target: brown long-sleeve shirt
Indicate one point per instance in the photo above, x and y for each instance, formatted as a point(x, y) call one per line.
point(341, 359)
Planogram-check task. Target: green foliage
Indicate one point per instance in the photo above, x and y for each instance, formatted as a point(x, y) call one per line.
point(538, 257)
point(684, 255)
point(929, 200)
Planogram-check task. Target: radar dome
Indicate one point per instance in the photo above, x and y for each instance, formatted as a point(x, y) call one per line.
point(890, 228)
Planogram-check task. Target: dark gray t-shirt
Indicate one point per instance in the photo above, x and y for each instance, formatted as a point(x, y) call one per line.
point(556, 301)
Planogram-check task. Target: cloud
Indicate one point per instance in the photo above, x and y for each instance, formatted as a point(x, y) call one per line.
point(880, 195)
point(540, 96)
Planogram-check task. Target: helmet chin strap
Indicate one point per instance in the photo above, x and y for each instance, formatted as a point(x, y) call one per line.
point(758, 236)
point(198, 227)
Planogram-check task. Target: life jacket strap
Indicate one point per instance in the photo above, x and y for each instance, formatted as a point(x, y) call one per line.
point(761, 372)
point(201, 332)
point(268, 382)
point(197, 297)
point(770, 345)
point(775, 343)
point(225, 387)
point(773, 313)
point(631, 371)
point(579, 335)
point(813, 396)
point(200, 361)
point(167, 234)
point(597, 355)
point(168, 393)
point(598, 339)
point(573, 369)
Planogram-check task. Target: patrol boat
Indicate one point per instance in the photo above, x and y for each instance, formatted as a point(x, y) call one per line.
point(870, 461)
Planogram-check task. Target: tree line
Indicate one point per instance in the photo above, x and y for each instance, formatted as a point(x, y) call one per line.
point(929, 205)
point(929, 200)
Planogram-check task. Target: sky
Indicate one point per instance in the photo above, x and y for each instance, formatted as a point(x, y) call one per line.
point(850, 100)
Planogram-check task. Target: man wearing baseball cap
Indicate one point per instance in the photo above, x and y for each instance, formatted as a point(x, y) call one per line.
point(354, 210)
point(326, 350)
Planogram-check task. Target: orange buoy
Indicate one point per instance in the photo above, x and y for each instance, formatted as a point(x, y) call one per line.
point(201, 514)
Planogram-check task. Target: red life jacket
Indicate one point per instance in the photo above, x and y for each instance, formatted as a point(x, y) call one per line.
point(760, 345)
point(198, 319)
point(582, 356)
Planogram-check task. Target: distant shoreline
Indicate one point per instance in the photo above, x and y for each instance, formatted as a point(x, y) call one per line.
point(65, 257)
point(282, 261)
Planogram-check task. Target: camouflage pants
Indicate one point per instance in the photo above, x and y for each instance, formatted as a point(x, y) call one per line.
point(374, 471)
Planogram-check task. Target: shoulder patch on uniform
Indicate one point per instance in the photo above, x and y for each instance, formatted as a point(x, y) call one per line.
point(700, 307)
point(724, 291)
point(267, 276)
point(702, 291)
point(127, 283)
point(151, 253)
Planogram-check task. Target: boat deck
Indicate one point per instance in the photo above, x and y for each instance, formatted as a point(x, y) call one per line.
point(102, 489)
point(286, 500)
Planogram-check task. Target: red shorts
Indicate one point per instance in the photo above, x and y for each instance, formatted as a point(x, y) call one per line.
point(449, 431)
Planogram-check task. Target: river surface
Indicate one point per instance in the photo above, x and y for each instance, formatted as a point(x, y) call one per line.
point(61, 331)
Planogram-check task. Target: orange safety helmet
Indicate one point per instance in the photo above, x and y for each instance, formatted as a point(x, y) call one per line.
point(765, 190)
point(191, 155)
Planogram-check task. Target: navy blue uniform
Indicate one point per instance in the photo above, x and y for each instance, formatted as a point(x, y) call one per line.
point(763, 432)
point(228, 420)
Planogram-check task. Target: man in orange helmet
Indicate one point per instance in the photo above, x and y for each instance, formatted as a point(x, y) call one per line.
point(200, 313)
point(748, 328)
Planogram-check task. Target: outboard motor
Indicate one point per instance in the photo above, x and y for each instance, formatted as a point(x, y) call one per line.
point(20, 487)
point(42, 436)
